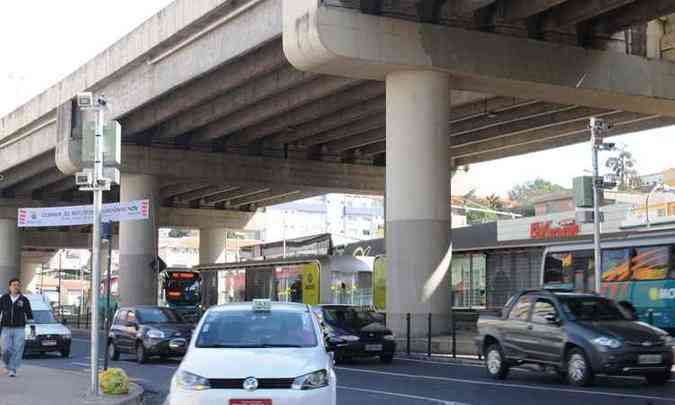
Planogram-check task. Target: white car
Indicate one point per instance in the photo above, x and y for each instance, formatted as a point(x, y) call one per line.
point(256, 353)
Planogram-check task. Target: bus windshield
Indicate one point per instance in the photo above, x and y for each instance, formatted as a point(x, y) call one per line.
point(182, 288)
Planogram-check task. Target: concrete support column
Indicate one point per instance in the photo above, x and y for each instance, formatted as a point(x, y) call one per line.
point(10, 252)
point(417, 194)
point(28, 269)
point(138, 243)
point(211, 250)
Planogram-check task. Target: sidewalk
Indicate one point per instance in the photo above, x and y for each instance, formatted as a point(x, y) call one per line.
point(48, 386)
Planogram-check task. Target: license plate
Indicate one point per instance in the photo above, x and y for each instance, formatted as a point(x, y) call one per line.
point(49, 343)
point(250, 402)
point(650, 359)
point(373, 348)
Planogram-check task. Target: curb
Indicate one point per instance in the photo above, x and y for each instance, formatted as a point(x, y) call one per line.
point(134, 397)
point(449, 360)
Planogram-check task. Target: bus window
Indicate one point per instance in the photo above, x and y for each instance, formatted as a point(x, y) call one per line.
point(616, 265)
point(557, 269)
point(650, 263)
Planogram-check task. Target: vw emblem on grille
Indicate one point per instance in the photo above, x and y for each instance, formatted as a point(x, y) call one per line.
point(371, 335)
point(647, 343)
point(250, 384)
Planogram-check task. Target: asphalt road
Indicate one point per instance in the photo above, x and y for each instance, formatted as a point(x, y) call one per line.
point(412, 382)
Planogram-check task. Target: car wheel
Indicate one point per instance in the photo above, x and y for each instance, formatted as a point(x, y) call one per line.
point(658, 378)
point(65, 353)
point(113, 354)
point(387, 358)
point(141, 354)
point(579, 371)
point(495, 363)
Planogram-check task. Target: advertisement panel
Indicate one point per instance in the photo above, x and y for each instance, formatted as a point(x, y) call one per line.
point(82, 214)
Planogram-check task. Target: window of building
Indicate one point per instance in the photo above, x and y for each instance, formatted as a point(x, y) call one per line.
point(520, 310)
point(558, 268)
point(661, 212)
point(468, 280)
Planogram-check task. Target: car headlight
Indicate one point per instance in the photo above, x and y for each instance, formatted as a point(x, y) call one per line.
point(155, 334)
point(67, 335)
point(668, 340)
point(311, 381)
point(349, 338)
point(192, 382)
point(390, 337)
point(605, 341)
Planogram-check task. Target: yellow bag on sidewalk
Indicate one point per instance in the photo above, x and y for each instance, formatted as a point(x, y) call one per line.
point(113, 381)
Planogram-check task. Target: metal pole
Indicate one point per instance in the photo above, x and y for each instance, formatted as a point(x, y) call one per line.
point(407, 335)
point(107, 295)
point(596, 205)
point(96, 248)
point(60, 301)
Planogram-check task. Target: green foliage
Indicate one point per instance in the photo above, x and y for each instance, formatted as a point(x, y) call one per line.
point(624, 169)
point(524, 194)
point(491, 202)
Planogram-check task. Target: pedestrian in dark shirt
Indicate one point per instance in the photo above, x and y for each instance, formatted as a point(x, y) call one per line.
point(14, 311)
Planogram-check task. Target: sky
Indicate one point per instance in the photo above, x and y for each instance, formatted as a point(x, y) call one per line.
point(43, 41)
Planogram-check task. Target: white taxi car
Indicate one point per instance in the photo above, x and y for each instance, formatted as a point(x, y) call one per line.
point(257, 353)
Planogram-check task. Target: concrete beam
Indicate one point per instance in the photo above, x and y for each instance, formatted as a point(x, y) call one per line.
point(354, 142)
point(178, 189)
point(61, 186)
point(220, 168)
point(467, 7)
point(42, 180)
point(373, 149)
point(334, 41)
point(634, 14)
point(238, 99)
point(321, 110)
point(355, 128)
point(60, 239)
point(27, 170)
point(505, 116)
point(575, 11)
point(142, 65)
point(582, 135)
point(270, 107)
point(262, 197)
point(509, 141)
point(517, 10)
point(37, 139)
point(569, 114)
point(201, 193)
point(292, 198)
point(240, 71)
point(234, 193)
point(205, 218)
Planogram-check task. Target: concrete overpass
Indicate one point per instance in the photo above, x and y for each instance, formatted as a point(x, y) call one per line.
point(229, 106)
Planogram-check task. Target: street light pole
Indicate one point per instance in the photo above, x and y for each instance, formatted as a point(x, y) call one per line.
point(598, 126)
point(96, 185)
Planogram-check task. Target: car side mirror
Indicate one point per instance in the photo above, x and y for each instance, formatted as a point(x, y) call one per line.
point(64, 321)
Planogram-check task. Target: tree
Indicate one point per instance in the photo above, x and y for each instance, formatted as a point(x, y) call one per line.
point(525, 194)
point(491, 202)
point(623, 167)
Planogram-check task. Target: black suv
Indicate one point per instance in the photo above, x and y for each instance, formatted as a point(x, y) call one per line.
point(148, 331)
point(355, 331)
point(576, 335)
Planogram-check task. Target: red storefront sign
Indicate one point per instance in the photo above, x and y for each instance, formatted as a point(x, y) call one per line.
point(546, 230)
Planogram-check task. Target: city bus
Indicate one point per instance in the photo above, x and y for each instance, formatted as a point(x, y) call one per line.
point(315, 279)
point(637, 269)
point(180, 289)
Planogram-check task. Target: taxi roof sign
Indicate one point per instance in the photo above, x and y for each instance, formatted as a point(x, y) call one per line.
point(262, 305)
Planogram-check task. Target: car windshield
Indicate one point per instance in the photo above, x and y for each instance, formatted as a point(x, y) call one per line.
point(43, 317)
point(158, 315)
point(592, 309)
point(351, 317)
point(246, 328)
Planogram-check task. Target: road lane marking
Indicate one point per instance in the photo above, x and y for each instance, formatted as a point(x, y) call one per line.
point(498, 384)
point(523, 369)
point(395, 394)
